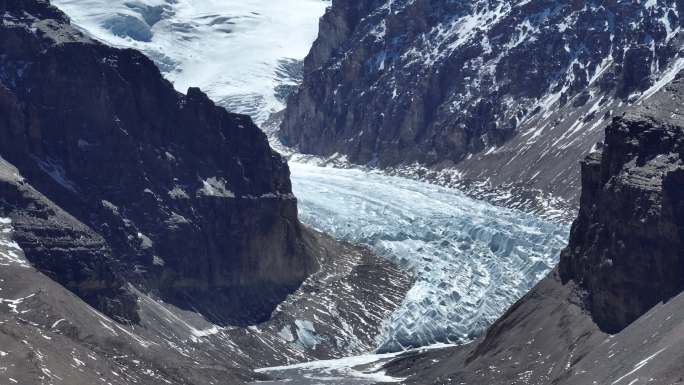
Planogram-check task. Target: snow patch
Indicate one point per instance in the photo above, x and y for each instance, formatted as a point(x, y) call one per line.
point(178, 193)
point(286, 334)
point(145, 241)
point(11, 253)
point(215, 187)
point(639, 365)
point(158, 261)
point(206, 332)
point(365, 367)
point(665, 79)
point(13, 304)
point(111, 207)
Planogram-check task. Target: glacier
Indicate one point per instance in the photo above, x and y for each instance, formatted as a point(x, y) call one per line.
point(471, 260)
point(245, 54)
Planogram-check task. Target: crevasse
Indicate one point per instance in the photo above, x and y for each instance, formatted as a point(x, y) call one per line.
point(471, 260)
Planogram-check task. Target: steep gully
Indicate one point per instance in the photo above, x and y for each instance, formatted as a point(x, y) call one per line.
point(472, 260)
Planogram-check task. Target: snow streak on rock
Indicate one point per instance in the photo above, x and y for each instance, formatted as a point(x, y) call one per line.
point(10, 252)
point(472, 259)
point(246, 54)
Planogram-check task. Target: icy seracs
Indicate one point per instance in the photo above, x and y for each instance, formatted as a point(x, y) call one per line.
point(472, 260)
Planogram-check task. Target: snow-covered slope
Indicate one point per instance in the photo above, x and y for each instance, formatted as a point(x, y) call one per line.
point(472, 260)
point(244, 53)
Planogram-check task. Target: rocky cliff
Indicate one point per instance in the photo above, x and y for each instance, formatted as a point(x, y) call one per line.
point(626, 246)
point(612, 312)
point(164, 190)
point(148, 236)
point(503, 94)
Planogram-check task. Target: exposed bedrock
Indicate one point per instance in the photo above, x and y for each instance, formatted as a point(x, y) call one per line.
point(172, 193)
point(509, 93)
point(626, 247)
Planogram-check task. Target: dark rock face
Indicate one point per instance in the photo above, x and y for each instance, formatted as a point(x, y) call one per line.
point(512, 92)
point(626, 246)
point(172, 193)
point(86, 267)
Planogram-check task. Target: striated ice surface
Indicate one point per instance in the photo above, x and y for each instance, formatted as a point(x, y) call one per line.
point(246, 54)
point(472, 260)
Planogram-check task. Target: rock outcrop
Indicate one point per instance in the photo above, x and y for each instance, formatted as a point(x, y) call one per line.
point(612, 312)
point(626, 246)
point(163, 190)
point(509, 93)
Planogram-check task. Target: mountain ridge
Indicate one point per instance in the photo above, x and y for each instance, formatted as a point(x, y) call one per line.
point(488, 95)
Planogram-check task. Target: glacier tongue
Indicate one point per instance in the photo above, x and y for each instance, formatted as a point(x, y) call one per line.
point(472, 260)
point(243, 53)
